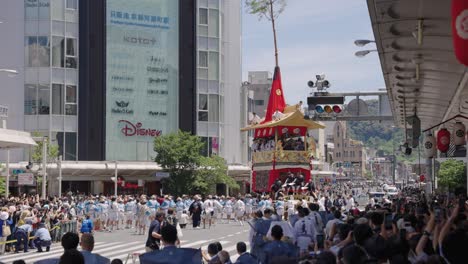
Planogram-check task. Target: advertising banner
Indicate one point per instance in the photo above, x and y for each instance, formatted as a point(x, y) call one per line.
point(142, 87)
point(26, 179)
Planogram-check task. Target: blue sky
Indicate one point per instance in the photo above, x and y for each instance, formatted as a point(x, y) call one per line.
point(314, 37)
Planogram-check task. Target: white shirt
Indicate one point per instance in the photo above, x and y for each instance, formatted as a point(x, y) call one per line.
point(240, 205)
point(303, 227)
point(330, 225)
point(208, 206)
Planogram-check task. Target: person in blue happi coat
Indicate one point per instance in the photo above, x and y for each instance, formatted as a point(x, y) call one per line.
point(277, 248)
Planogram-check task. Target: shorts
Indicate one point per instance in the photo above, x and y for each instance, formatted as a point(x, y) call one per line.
point(240, 213)
point(207, 215)
point(228, 211)
point(103, 217)
point(113, 217)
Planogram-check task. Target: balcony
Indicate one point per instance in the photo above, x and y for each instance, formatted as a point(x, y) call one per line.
point(282, 156)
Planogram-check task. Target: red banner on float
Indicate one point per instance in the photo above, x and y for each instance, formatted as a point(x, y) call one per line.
point(460, 30)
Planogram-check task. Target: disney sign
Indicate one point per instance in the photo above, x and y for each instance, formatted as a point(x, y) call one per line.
point(129, 130)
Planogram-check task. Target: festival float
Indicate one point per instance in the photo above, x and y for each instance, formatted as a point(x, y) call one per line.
point(282, 149)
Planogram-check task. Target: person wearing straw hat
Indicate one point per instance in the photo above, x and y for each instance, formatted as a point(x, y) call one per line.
point(5, 223)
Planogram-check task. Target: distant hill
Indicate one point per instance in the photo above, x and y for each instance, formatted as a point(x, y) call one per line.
point(380, 135)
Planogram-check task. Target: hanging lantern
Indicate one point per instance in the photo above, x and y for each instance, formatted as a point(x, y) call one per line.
point(443, 140)
point(459, 134)
point(430, 146)
point(460, 30)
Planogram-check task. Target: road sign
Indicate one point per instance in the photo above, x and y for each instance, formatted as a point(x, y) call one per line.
point(321, 180)
point(26, 179)
point(17, 171)
point(162, 174)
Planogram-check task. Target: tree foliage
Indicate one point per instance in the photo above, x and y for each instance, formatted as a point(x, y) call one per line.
point(179, 154)
point(381, 136)
point(2, 182)
point(52, 150)
point(262, 8)
point(213, 170)
point(452, 174)
point(190, 172)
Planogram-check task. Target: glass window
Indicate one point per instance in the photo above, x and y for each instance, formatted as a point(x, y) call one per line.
point(213, 66)
point(30, 99)
point(71, 47)
point(43, 52)
point(202, 116)
point(59, 137)
point(57, 10)
point(203, 102)
point(57, 99)
point(72, 4)
point(221, 108)
point(70, 100)
point(31, 12)
point(213, 23)
point(58, 47)
point(203, 16)
point(44, 99)
point(70, 56)
point(70, 146)
point(204, 149)
point(213, 108)
point(259, 102)
point(71, 94)
point(44, 9)
point(202, 73)
point(203, 59)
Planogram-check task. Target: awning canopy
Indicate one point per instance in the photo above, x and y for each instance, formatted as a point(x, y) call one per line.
point(103, 170)
point(421, 72)
point(15, 139)
point(292, 117)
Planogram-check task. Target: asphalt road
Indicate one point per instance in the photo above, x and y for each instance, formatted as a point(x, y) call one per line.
point(121, 243)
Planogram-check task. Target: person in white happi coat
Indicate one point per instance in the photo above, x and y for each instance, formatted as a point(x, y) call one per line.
point(291, 208)
point(228, 209)
point(218, 210)
point(180, 206)
point(239, 208)
point(103, 213)
point(303, 232)
point(279, 205)
point(144, 214)
point(113, 214)
point(121, 218)
point(208, 211)
point(350, 203)
point(248, 206)
point(130, 212)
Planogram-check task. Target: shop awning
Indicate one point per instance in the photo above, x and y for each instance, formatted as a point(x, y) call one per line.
point(15, 139)
point(421, 72)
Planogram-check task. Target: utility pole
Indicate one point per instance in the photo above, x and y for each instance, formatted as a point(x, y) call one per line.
point(60, 175)
point(115, 180)
point(44, 170)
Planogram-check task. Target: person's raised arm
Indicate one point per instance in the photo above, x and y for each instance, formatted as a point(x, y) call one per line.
point(426, 234)
point(446, 228)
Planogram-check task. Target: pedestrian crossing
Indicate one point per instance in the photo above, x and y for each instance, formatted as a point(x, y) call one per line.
point(117, 249)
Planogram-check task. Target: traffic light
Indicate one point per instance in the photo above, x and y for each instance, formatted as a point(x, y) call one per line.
point(326, 104)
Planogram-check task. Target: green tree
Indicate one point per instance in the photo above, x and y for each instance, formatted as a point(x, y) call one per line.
point(270, 10)
point(52, 150)
point(179, 154)
point(452, 174)
point(2, 182)
point(213, 170)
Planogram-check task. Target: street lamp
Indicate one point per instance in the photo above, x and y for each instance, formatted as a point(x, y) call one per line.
point(363, 42)
point(363, 53)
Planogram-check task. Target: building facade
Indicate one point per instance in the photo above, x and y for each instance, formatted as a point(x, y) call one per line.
point(101, 79)
point(349, 155)
point(260, 83)
point(219, 77)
